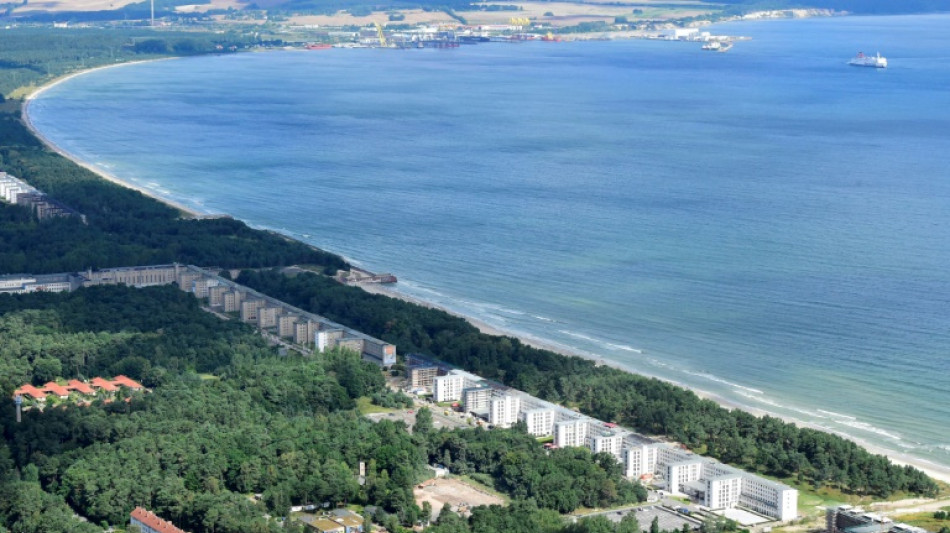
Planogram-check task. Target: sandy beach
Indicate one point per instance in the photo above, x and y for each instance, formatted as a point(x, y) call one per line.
point(934, 471)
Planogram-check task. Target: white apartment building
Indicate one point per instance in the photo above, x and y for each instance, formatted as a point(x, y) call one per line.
point(680, 473)
point(611, 443)
point(504, 411)
point(571, 432)
point(723, 491)
point(639, 460)
point(540, 421)
point(447, 388)
point(477, 399)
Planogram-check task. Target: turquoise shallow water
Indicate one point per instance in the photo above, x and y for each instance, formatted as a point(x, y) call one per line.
point(768, 225)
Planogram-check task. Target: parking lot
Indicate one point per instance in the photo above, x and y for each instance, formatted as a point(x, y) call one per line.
point(439, 419)
point(669, 520)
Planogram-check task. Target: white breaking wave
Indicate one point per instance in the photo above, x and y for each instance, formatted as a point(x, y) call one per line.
point(837, 415)
point(580, 336)
point(717, 379)
point(624, 347)
point(864, 426)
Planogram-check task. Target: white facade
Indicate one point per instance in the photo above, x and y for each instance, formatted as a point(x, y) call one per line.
point(504, 411)
point(723, 492)
point(681, 473)
point(639, 460)
point(569, 433)
point(321, 341)
point(540, 421)
point(611, 444)
point(447, 388)
point(769, 497)
point(477, 399)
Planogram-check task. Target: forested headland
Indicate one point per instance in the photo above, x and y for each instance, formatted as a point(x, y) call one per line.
point(228, 417)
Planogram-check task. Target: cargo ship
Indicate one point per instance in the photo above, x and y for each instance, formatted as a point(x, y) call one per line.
point(862, 60)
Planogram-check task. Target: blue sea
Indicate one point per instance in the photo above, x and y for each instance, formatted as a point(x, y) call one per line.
point(768, 225)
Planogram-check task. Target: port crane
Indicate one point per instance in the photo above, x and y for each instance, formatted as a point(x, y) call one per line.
point(382, 36)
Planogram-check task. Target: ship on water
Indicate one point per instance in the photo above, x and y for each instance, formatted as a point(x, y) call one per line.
point(862, 60)
point(717, 46)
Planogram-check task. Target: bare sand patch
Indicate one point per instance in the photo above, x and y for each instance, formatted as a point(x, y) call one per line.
point(455, 492)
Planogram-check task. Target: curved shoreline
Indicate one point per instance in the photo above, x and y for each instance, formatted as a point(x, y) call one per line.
point(25, 118)
point(934, 471)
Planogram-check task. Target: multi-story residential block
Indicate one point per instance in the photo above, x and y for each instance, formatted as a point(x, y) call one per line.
point(304, 332)
point(477, 399)
point(421, 376)
point(680, 473)
point(267, 317)
point(216, 295)
point(723, 491)
point(573, 432)
point(611, 443)
point(539, 421)
point(639, 460)
point(503, 411)
point(232, 301)
point(447, 388)
point(285, 326)
point(249, 309)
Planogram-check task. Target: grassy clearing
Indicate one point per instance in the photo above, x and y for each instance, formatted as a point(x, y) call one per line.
point(208, 377)
point(925, 520)
point(367, 407)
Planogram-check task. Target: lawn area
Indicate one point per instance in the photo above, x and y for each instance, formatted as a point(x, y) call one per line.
point(925, 520)
point(208, 377)
point(367, 407)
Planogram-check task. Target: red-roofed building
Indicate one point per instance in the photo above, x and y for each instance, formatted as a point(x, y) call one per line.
point(31, 391)
point(104, 384)
point(150, 523)
point(80, 387)
point(127, 382)
point(56, 389)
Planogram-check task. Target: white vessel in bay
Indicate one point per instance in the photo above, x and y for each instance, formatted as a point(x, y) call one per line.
point(717, 46)
point(862, 60)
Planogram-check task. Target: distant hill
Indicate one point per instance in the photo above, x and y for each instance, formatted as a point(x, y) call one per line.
point(864, 7)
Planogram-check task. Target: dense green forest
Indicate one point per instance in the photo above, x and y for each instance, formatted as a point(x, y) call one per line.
point(194, 448)
point(767, 445)
point(124, 226)
point(30, 56)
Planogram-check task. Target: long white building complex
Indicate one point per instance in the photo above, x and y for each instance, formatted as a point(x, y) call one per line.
point(268, 314)
point(667, 466)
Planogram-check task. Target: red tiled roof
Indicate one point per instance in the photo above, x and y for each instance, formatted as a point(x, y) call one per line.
point(79, 386)
point(126, 382)
point(153, 521)
point(104, 384)
point(54, 388)
point(30, 390)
